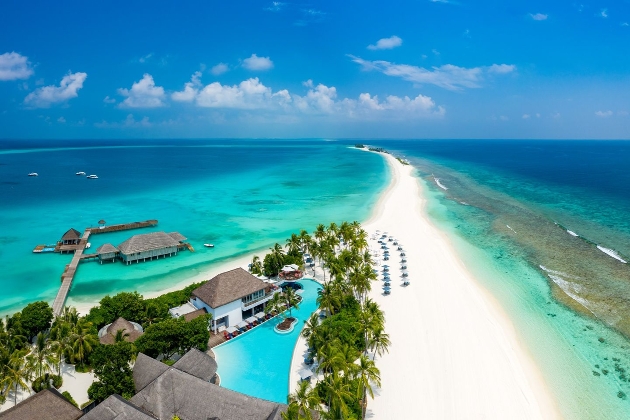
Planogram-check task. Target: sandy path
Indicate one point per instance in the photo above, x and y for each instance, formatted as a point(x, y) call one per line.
point(454, 352)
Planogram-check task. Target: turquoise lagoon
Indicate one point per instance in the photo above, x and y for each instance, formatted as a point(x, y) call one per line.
point(243, 196)
point(258, 362)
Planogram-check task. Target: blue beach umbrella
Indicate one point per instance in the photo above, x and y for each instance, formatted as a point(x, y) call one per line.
point(387, 288)
point(387, 284)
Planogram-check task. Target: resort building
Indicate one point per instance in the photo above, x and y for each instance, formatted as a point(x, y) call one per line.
point(131, 331)
point(71, 237)
point(187, 310)
point(148, 246)
point(231, 297)
point(107, 252)
point(47, 404)
point(186, 390)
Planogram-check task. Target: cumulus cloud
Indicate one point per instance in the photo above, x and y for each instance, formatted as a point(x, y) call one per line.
point(109, 100)
point(61, 120)
point(143, 94)
point(275, 6)
point(68, 88)
point(447, 76)
point(386, 43)
point(604, 114)
point(538, 16)
point(190, 89)
point(255, 63)
point(252, 94)
point(14, 66)
point(219, 69)
point(603, 13)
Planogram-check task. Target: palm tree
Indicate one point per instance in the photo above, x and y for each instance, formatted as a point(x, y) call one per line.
point(305, 241)
point(329, 298)
point(367, 374)
point(320, 232)
point(42, 358)
point(310, 325)
point(291, 299)
point(151, 314)
point(120, 335)
point(274, 304)
point(306, 400)
point(338, 394)
point(16, 373)
point(293, 245)
point(277, 258)
point(82, 341)
point(379, 343)
point(256, 266)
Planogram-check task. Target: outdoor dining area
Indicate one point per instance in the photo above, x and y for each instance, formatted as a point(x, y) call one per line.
point(290, 272)
point(244, 326)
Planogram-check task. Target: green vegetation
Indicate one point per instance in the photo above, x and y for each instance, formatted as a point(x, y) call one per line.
point(173, 336)
point(377, 149)
point(112, 371)
point(403, 161)
point(353, 326)
point(68, 397)
point(43, 382)
point(359, 146)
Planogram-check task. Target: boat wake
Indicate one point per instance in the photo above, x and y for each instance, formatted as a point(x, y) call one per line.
point(611, 253)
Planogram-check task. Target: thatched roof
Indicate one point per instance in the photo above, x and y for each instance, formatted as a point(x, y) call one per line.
point(178, 393)
point(228, 287)
point(147, 242)
point(177, 236)
point(71, 235)
point(198, 364)
point(146, 370)
point(45, 405)
point(120, 324)
point(117, 408)
point(106, 249)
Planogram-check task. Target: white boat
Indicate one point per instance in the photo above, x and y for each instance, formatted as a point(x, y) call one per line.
point(209, 245)
point(92, 177)
point(88, 245)
point(80, 173)
point(33, 174)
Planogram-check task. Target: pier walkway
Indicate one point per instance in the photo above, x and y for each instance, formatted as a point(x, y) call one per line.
point(71, 269)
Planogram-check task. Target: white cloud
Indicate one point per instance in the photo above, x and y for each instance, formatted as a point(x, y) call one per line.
point(624, 24)
point(603, 13)
point(129, 122)
point(434, 51)
point(109, 100)
point(190, 89)
point(145, 58)
point(45, 96)
point(538, 16)
point(61, 120)
point(219, 69)
point(14, 66)
point(386, 43)
point(276, 6)
point(143, 94)
point(257, 63)
point(526, 116)
point(501, 68)
point(604, 114)
point(447, 76)
point(252, 94)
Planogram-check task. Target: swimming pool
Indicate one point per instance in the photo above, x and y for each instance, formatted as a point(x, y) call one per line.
point(258, 363)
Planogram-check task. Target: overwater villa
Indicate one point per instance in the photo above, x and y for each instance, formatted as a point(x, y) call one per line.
point(232, 297)
point(148, 246)
point(71, 237)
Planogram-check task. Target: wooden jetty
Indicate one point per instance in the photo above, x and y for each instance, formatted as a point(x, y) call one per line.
point(71, 269)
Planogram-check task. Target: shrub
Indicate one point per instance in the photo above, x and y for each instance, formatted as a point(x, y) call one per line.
point(43, 382)
point(69, 398)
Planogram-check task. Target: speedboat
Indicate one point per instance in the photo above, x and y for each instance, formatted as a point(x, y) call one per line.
point(92, 177)
point(209, 245)
point(80, 173)
point(88, 245)
point(33, 174)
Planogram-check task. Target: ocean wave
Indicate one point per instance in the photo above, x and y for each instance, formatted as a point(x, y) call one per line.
point(611, 253)
point(437, 181)
point(509, 227)
point(557, 273)
point(570, 232)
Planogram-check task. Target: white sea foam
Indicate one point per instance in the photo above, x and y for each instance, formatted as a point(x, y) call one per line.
point(611, 253)
point(570, 232)
point(508, 226)
point(437, 181)
point(572, 290)
point(557, 273)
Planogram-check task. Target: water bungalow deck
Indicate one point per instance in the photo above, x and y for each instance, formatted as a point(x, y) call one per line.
point(71, 269)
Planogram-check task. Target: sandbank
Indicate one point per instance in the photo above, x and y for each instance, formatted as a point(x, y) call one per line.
point(454, 352)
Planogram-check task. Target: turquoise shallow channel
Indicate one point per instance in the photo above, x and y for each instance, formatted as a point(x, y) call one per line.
point(258, 362)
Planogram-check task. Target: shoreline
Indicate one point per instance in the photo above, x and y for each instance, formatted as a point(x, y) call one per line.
point(455, 352)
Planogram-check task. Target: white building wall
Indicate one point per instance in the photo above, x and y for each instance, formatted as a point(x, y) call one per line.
point(232, 310)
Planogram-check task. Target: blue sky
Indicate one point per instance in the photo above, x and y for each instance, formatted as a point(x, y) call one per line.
point(342, 69)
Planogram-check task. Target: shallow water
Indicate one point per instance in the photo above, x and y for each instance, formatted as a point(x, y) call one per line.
point(507, 210)
point(241, 196)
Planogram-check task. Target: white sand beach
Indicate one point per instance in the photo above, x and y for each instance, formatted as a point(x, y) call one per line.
point(454, 352)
